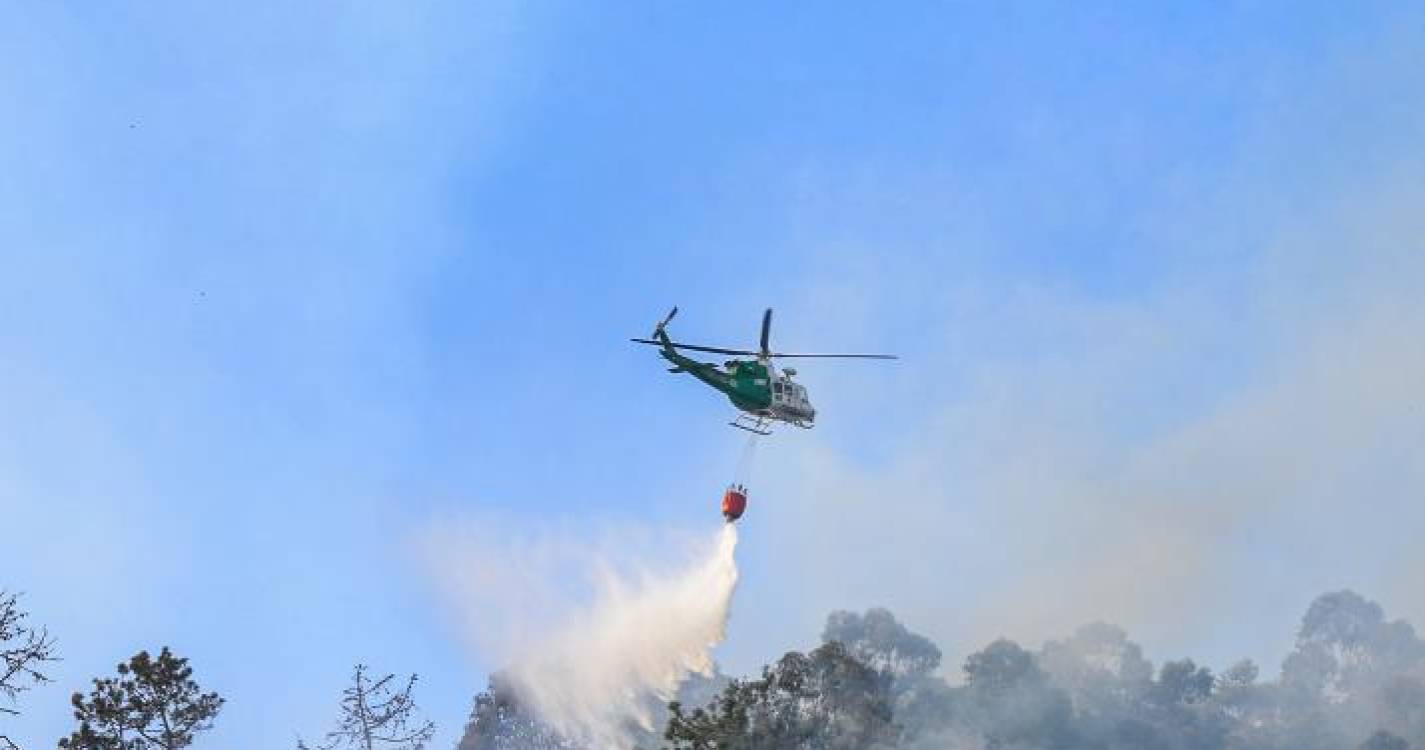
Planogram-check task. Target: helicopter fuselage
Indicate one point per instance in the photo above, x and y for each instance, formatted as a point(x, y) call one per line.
point(754, 387)
point(762, 393)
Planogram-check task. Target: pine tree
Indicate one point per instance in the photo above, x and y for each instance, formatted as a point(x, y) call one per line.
point(154, 704)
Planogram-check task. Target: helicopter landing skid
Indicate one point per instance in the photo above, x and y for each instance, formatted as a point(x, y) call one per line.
point(753, 424)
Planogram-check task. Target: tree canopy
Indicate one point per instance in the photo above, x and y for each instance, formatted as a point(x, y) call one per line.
point(1353, 680)
point(154, 704)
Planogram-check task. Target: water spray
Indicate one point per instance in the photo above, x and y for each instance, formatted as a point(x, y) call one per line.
point(591, 679)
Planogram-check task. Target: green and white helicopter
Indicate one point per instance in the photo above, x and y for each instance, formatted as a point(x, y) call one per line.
point(756, 387)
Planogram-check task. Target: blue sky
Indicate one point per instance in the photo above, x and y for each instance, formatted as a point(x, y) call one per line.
point(285, 286)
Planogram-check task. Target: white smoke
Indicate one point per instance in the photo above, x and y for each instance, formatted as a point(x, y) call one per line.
point(589, 669)
point(588, 679)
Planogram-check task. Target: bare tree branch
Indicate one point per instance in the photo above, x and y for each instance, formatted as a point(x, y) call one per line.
point(24, 650)
point(374, 715)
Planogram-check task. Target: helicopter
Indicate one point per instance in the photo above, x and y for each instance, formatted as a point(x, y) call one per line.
point(763, 394)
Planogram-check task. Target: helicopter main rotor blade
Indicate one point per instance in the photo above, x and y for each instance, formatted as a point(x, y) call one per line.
point(766, 328)
point(695, 347)
point(837, 356)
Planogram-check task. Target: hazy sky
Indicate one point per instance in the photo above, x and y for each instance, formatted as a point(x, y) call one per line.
point(282, 289)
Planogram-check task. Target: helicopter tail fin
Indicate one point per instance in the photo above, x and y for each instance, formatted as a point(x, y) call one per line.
point(658, 329)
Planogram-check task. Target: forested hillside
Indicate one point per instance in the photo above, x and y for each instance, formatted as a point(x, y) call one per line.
point(1354, 680)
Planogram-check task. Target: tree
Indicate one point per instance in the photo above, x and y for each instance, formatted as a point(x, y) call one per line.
point(877, 640)
point(921, 700)
point(1012, 702)
point(1345, 648)
point(1237, 692)
point(24, 650)
point(1353, 673)
point(1384, 740)
point(1181, 707)
point(826, 699)
point(499, 721)
point(1000, 667)
point(1243, 674)
point(154, 704)
point(375, 714)
point(1182, 682)
point(1399, 707)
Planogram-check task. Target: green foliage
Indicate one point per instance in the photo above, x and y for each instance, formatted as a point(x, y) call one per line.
point(499, 722)
point(1000, 667)
point(826, 699)
point(1352, 675)
point(877, 640)
point(1182, 683)
point(1011, 702)
point(153, 704)
point(1345, 646)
